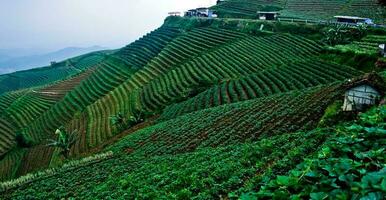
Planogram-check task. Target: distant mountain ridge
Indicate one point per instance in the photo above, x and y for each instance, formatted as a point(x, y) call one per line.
point(10, 64)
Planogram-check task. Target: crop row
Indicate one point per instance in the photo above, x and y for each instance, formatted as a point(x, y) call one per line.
point(138, 53)
point(22, 107)
point(295, 76)
point(124, 98)
point(8, 98)
point(316, 5)
point(107, 75)
point(88, 61)
point(10, 163)
point(36, 77)
point(232, 61)
point(234, 123)
point(7, 136)
point(243, 8)
point(27, 108)
point(58, 90)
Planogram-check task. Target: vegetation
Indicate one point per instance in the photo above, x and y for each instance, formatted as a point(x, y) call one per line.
point(351, 164)
point(226, 108)
point(65, 141)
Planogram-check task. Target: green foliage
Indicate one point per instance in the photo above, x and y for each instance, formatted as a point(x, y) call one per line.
point(332, 114)
point(122, 122)
point(343, 34)
point(65, 140)
point(271, 8)
point(350, 165)
point(118, 120)
point(23, 140)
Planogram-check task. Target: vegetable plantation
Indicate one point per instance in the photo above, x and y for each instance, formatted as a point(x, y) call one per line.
point(204, 108)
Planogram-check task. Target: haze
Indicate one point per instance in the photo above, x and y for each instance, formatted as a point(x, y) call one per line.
point(54, 24)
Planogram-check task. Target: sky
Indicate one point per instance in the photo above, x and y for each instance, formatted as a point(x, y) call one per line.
point(55, 24)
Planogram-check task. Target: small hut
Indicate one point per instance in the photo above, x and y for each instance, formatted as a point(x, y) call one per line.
point(191, 13)
point(353, 20)
point(200, 12)
point(363, 93)
point(267, 15)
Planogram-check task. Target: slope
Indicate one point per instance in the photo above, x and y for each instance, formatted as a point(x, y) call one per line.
point(227, 168)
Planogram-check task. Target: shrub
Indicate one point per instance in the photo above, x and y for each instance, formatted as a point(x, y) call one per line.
point(23, 139)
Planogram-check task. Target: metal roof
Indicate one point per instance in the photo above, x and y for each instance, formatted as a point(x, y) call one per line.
point(263, 12)
point(350, 17)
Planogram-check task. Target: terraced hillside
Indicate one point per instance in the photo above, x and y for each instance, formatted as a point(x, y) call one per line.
point(198, 108)
point(303, 9)
point(168, 65)
point(296, 76)
point(73, 95)
point(203, 162)
point(46, 75)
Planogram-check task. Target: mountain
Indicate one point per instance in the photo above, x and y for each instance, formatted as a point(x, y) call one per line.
point(201, 108)
point(11, 64)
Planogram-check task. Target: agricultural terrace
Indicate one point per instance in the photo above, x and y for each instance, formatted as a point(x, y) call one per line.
point(48, 75)
point(209, 108)
point(302, 9)
point(235, 170)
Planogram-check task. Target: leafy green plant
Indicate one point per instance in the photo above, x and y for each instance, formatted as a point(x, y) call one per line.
point(118, 120)
point(136, 117)
point(343, 34)
point(64, 141)
point(350, 165)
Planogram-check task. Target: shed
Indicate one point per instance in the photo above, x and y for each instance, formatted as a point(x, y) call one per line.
point(200, 12)
point(204, 12)
point(191, 13)
point(267, 15)
point(382, 49)
point(353, 19)
point(364, 92)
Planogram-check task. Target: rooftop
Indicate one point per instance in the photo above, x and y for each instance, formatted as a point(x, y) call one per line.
point(349, 17)
point(264, 12)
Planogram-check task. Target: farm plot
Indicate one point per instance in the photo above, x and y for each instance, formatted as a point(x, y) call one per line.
point(124, 98)
point(299, 75)
point(367, 45)
point(234, 123)
point(232, 61)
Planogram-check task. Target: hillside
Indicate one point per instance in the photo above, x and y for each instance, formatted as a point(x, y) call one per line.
point(303, 9)
point(201, 108)
point(11, 63)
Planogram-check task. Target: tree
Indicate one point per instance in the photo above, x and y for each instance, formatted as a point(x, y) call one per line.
point(64, 141)
point(343, 34)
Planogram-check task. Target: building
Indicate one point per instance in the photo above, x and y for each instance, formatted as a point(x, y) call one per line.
point(267, 15)
point(363, 93)
point(178, 14)
point(382, 49)
point(353, 20)
point(360, 97)
point(53, 63)
point(191, 13)
point(200, 12)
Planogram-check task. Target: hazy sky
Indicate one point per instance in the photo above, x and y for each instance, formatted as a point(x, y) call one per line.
point(54, 24)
